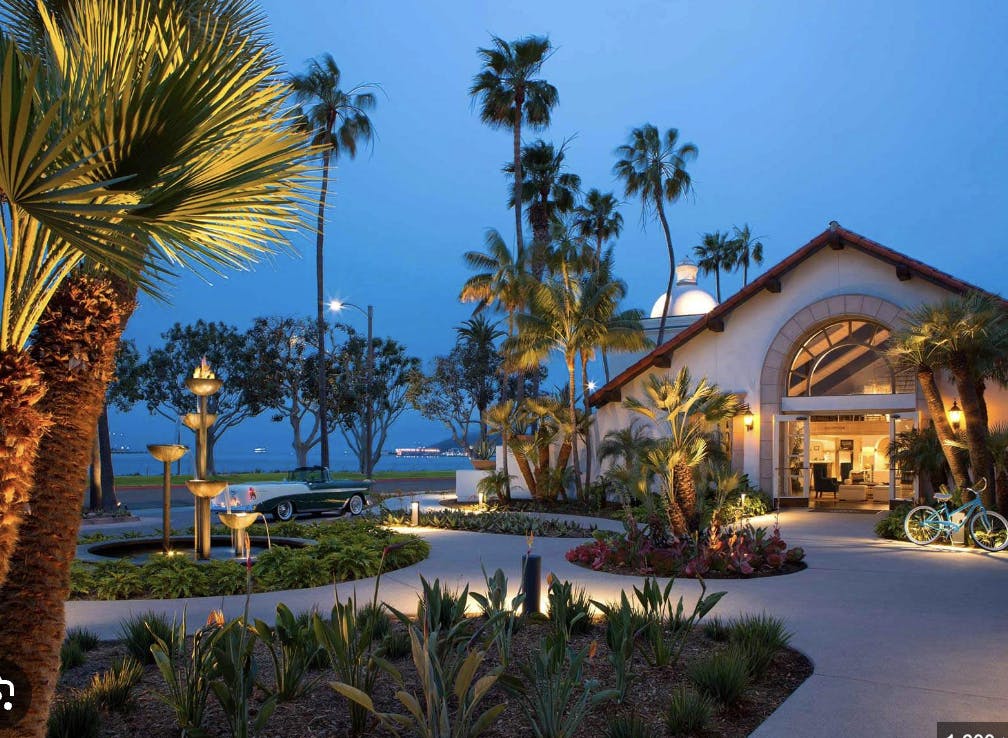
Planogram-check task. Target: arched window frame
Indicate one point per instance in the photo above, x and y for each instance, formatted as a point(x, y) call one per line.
point(871, 343)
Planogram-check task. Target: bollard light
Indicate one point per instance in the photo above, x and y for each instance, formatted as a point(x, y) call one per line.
point(415, 513)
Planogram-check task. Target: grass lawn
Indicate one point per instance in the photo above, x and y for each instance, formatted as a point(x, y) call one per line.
point(154, 480)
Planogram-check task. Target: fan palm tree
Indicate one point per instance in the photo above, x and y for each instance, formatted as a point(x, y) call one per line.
point(713, 255)
point(510, 95)
point(597, 219)
point(686, 412)
point(479, 336)
point(194, 165)
point(548, 191)
point(653, 167)
point(746, 249)
point(997, 440)
point(337, 122)
point(500, 418)
point(920, 451)
point(627, 448)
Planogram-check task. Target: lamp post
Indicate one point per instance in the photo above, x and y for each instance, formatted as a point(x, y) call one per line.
point(336, 306)
point(955, 415)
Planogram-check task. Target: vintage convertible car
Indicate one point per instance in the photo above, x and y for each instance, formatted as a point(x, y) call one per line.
point(306, 489)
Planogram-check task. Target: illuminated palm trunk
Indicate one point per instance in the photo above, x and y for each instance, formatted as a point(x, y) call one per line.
point(686, 497)
point(21, 389)
point(932, 396)
point(75, 349)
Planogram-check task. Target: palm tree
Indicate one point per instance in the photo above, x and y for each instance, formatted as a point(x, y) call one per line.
point(598, 219)
point(654, 167)
point(509, 95)
point(920, 451)
point(336, 122)
point(549, 192)
point(627, 448)
point(573, 313)
point(194, 165)
point(479, 335)
point(687, 412)
point(746, 248)
point(997, 440)
point(713, 255)
point(500, 418)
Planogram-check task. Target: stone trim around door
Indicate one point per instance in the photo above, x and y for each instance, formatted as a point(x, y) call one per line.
point(803, 324)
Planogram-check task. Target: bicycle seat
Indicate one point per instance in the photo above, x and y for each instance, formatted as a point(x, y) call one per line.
point(943, 497)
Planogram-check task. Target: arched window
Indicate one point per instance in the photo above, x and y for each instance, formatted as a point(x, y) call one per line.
point(844, 358)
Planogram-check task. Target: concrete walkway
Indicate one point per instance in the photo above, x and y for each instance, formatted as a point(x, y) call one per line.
point(901, 637)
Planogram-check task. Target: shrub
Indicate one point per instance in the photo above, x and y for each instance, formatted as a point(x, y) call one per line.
point(187, 680)
point(396, 644)
point(494, 521)
point(440, 608)
point(374, 617)
point(664, 628)
point(169, 577)
point(762, 628)
point(722, 676)
point(716, 629)
point(757, 656)
point(569, 609)
point(623, 623)
point(688, 712)
point(891, 524)
point(141, 631)
point(224, 577)
point(71, 655)
point(293, 648)
point(117, 580)
point(75, 717)
point(82, 580)
point(629, 726)
point(112, 690)
point(86, 639)
point(234, 678)
point(502, 615)
point(289, 568)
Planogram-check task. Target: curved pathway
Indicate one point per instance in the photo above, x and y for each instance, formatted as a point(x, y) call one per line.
point(901, 637)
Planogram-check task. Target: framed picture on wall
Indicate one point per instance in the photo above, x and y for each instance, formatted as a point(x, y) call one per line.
point(846, 444)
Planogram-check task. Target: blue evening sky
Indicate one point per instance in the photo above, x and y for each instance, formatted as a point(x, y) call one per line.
point(887, 117)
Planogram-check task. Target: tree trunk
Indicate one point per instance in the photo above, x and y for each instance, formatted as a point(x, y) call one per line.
point(587, 410)
point(109, 498)
point(671, 274)
point(319, 315)
point(75, 347)
point(673, 509)
point(518, 175)
point(527, 475)
point(932, 396)
point(717, 283)
point(981, 460)
point(95, 477)
point(572, 409)
point(23, 422)
point(686, 496)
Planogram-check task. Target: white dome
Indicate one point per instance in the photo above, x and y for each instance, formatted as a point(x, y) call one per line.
point(692, 302)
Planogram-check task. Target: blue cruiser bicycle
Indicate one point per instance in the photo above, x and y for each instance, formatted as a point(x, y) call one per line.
point(924, 524)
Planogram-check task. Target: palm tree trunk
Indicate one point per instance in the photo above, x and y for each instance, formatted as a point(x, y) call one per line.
point(671, 274)
point(109, 500)
point(519, 105)
point(95, 476)
point(717, 282)
point(75, 347)
point(981, 460)
point(23, 423)
point(685, 493)
point(673, 509)
point(932, 396)
point(587, 410)
point(572, 409)
point(320, 317)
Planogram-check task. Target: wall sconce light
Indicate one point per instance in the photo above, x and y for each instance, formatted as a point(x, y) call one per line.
point(955, 415)
point(748, 419)
point(415, 513)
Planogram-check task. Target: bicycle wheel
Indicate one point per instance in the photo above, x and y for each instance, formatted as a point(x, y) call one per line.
point(989, 530)
point(921, 525)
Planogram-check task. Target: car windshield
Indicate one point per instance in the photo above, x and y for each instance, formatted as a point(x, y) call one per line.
point(305, 475)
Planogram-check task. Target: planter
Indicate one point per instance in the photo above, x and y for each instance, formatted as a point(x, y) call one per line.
point(483, 464)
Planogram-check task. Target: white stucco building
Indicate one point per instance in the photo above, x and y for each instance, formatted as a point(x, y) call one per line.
point(802, 346)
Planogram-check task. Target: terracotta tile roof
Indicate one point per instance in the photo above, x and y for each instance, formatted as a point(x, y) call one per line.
point(835, 237)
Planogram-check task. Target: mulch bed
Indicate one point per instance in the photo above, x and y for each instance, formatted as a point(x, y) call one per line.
point(322, 712)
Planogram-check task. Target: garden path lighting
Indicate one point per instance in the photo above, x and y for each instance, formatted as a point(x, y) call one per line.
point(336, 306)
point(955, 415)
point(415, 513)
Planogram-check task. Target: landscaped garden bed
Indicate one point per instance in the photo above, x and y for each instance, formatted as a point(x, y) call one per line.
point(349, 550)
point(641, 663)
point(741, 551)
point(494, 521)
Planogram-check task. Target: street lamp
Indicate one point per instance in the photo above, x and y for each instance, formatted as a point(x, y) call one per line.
point(336, 306)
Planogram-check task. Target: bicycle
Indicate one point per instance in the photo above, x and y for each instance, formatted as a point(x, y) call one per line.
point(924, 524)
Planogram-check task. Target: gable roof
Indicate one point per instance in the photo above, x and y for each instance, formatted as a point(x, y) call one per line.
point(835, 237)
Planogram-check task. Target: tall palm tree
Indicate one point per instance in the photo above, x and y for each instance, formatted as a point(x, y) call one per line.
point(598, 219)
point(686, 412)
point(337, 122)
point(713, 255)
point(479, 336)
point(193, 166)
point(500, 418)
point(572, 313)
point(653, 166)
point(510, 95)
point(548, 191)
point(746, 249)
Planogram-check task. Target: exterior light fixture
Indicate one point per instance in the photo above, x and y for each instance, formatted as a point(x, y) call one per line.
point(748, 419)
point(955, 415)
point(415, 513)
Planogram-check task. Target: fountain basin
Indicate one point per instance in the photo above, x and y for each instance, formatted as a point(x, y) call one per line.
point(206, 488)
point(138, 550)
point(202, 386)
point(167, 452)
point(192, 420)
point(238, 520)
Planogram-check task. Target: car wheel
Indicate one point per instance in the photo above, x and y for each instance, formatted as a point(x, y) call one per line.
point(356, 505)
point(284, 511)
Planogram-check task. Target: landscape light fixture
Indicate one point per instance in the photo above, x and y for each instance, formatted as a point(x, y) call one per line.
point(955, 415)
point(748, 419)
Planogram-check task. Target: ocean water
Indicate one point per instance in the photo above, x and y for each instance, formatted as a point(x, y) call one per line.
point(144, 463)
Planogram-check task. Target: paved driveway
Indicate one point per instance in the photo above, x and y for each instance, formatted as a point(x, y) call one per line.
point(901, 637)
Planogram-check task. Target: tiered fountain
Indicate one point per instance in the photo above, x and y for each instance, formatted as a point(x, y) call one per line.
point(203, 383)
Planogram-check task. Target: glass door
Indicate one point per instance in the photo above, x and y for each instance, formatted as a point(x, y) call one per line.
point(794, 458)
